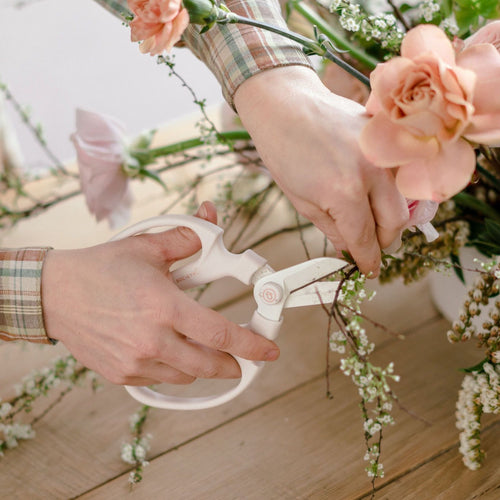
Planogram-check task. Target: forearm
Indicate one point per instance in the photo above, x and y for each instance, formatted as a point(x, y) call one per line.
point(21, 295)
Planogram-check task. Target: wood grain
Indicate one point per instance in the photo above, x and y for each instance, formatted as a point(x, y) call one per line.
point(301, 445)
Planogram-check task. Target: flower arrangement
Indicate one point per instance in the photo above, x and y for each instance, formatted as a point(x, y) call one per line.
point(432, 68)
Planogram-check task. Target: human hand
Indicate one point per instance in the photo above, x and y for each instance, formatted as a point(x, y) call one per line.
point(118, 311)
point(308, 139)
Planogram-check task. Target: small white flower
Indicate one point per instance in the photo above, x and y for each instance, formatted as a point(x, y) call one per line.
point(127, 453)
point(140, 453)
point(5, 409)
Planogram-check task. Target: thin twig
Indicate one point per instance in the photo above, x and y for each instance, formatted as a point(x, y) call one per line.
point(374, 323)
point(399, 15)
point(302, 239)
point(35, 131)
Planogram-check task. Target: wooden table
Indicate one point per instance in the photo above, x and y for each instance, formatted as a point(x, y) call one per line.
point(281, 439)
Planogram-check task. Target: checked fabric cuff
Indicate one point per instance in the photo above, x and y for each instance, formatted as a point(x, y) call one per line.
point(21, 315)
point(235, 52)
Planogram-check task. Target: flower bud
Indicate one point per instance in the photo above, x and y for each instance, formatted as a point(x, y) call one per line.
point(201, 11)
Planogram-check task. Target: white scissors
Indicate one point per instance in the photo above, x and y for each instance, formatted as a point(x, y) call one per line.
point(273, 291)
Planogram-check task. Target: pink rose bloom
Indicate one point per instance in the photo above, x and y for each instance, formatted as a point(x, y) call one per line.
point(159, 24)
point(425, 106)
point(100, 147)
point(487, 34)
point(481, 53)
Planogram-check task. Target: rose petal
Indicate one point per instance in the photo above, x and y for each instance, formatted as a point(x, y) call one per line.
point(177, 28)
point(427, 38)
point(487, 34)
point(139, 30)
point(159, 24)
point(440, 177)
point(386, 144)
point(484, 60)
point(485, 129)
point(383, 79)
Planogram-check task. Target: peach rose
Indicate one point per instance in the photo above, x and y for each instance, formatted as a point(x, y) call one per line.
point(424, 105)
point(159, 24)
point(487, 34)
point(481, 53)
point(101, 151)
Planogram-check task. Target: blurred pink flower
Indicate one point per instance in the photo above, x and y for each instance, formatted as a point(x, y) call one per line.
point(425, 105)
point(159, 24)
point(100, 146)
point(421, 214)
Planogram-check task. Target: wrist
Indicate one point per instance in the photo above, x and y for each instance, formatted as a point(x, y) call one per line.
point(55, 275)
point(274, 90)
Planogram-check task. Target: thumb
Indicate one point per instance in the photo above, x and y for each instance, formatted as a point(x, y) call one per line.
point(182, 242)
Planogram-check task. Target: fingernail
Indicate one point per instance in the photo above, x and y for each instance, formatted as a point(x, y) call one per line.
point(272, 355)
point(202, 211)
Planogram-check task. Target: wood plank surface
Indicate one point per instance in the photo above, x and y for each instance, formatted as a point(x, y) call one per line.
point(301, 445)
point(444, 477)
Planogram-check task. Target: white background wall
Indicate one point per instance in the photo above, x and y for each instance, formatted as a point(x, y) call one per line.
point(56, 55)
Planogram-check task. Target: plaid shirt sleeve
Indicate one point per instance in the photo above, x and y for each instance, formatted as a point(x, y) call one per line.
point(236, 52)
point(20, 295)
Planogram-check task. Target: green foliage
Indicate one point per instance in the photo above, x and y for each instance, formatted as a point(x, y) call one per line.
point(470, 14)
point(487, 237)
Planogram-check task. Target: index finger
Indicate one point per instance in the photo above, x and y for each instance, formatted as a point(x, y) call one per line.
point(213, 330)
point(357, 226)
point(352, 229)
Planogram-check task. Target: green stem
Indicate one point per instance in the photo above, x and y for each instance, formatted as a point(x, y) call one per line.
point(339, 41)
point(177, 147)
point(344, 65)
point(311, 46)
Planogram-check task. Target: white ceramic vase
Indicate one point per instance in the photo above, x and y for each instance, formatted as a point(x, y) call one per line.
point(449, 293)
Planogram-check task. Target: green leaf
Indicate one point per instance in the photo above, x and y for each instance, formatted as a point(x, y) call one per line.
point(455, 260)
point(152, 175)
point(485, 247)
point(466, 200)
point(348, 257)
point(475, 368)
point(488, 8)
point(446, 7)
point(493, 230)
point(491, 179)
